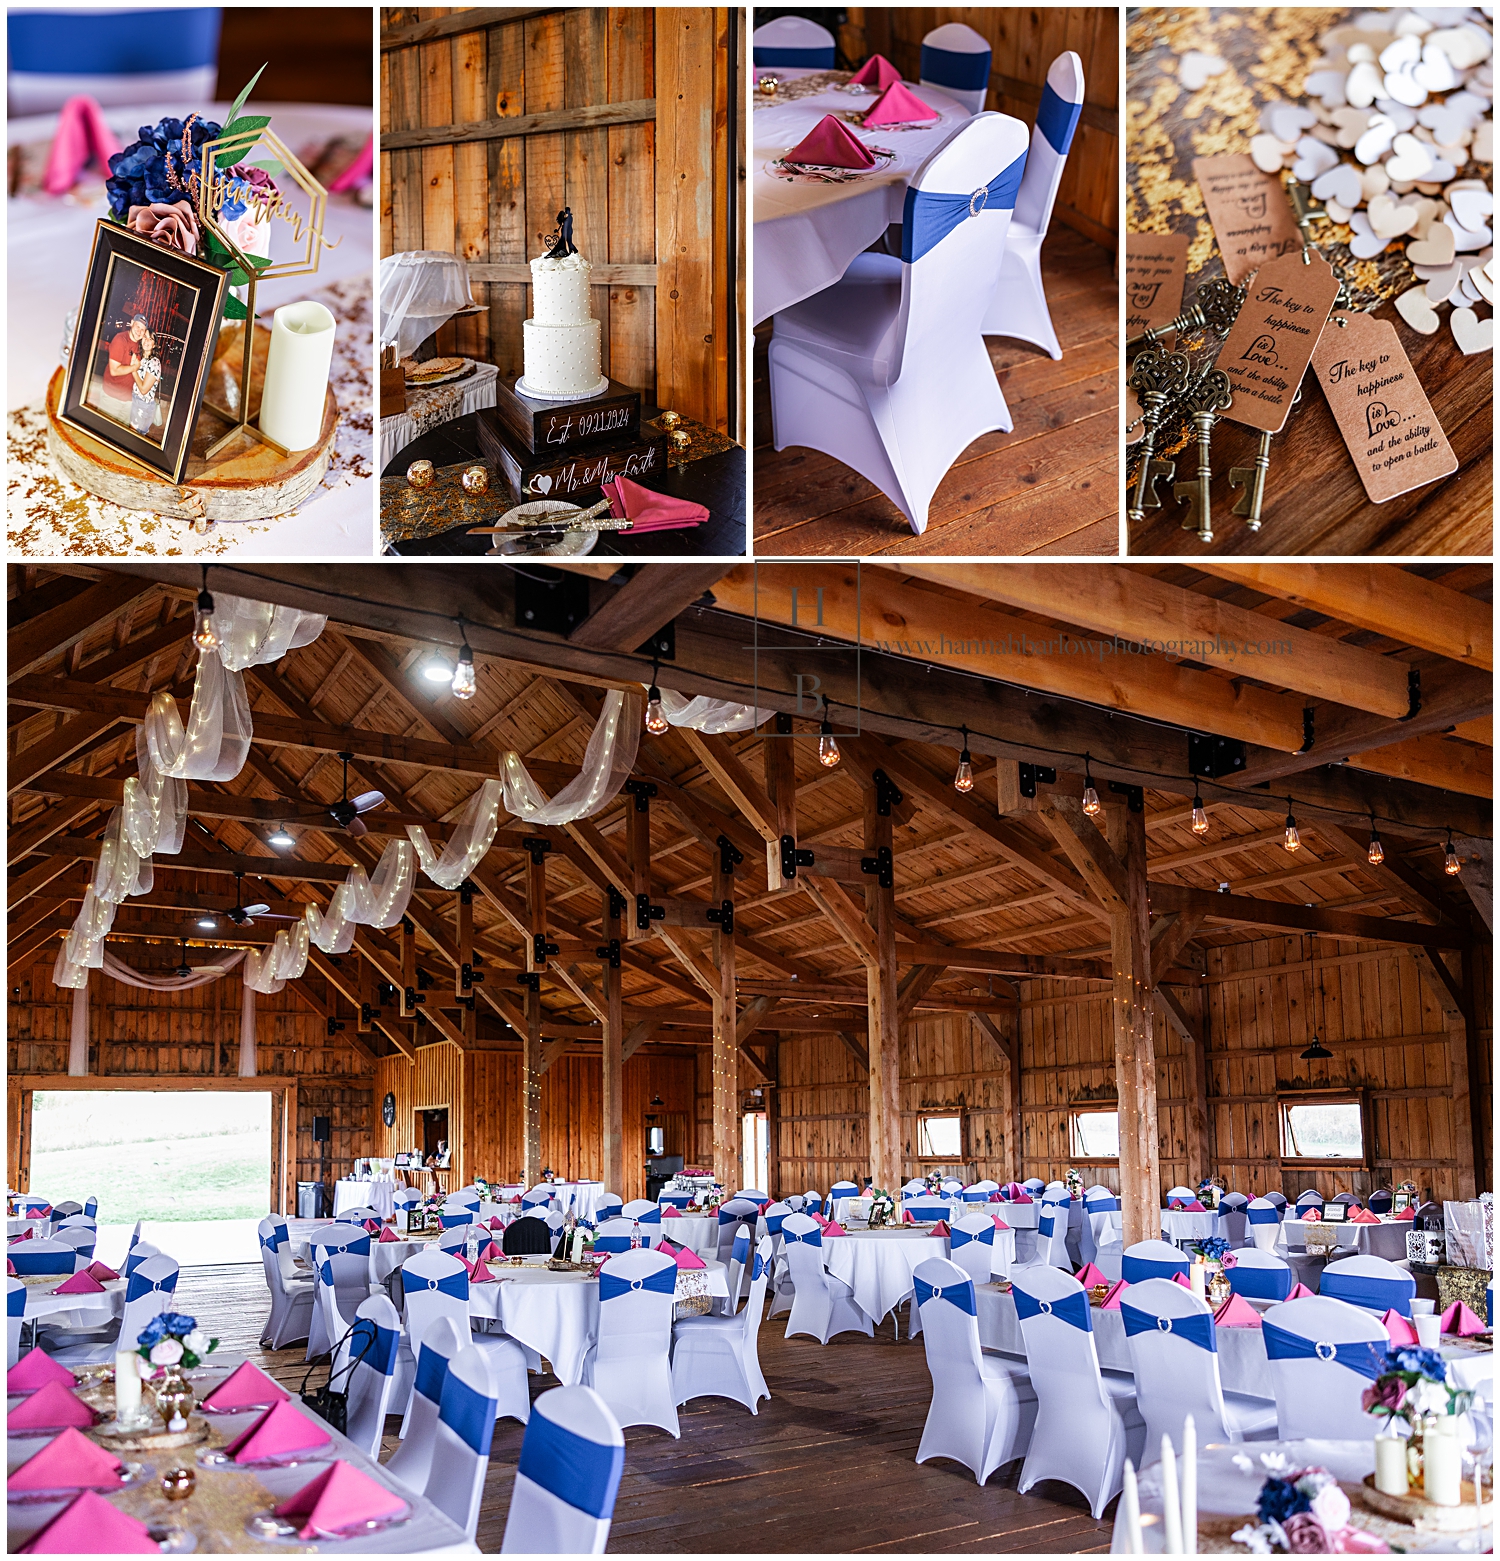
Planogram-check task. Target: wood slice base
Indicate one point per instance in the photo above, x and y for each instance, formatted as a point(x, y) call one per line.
point(1414, 1508)
point(246, 481)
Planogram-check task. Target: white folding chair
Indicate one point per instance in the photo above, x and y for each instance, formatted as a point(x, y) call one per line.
point(411, 1463)
point(569, 1474)
point(1375, 1283)
point(75, 1221)
point(793, 42)
point(148, 1292)
point(356, 1216)
point(609, 1206)
point(630, 1365)
point(1101, 1235)
point(719, 1356)
point(291, 1300)
point(1152, 1260)
point(1263, 1223)
point(135, 1255)
point(916, 1184)
point(886, 370)
point(983, 1407)
point(1259, 1275)
point(812, 1201)
point(461, 1445)
point(1087, 1422)
point(15, 1319)
point(1174, 1357)
point(638, 1207)
point(956, 60)
point(1323, 1353)
point(373, 1346)
point(341, 1280)
point(739, 1267)
point(822, 1307)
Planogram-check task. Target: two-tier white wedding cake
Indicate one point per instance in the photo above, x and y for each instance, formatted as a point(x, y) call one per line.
point(560, 343)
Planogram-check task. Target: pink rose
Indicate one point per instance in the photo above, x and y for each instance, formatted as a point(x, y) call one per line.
point(173, 227)
point(1304, 1535)
point(1331, 1508)
point(1385, 1395)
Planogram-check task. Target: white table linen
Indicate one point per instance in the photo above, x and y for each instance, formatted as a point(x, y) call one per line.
point(698, 1231)
point(468, 395)
point(91, 1309)
point(807, 234)
point(1181, 1225)
point(351, 1194)
point(877, 1264)
point(1387, 1239)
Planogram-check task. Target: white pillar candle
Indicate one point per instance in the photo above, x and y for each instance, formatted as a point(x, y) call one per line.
point(1189, 1487)
point(1390, 1465)
point(1130, 1508)
point(1198, 1280)
point(291, 402)
point(127, 1387)
point(1442, 1464)
point(1171, 1507)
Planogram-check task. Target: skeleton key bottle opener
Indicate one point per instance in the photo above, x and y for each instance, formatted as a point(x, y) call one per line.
point(1156, 376)
point(1215, 307)
point(1206, 398)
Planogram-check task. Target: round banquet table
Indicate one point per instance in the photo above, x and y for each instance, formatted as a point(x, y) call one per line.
point(1230, 1478)
point(877, 1264)
point(216, 1513)
point(698, 1231)
point(90, 1310)
point(1180, 1225)
point(582, 1197)
point(1387, 1239)
point(557, 1313)
point(807, 233)
point(377, 1195)
point(385, 1256)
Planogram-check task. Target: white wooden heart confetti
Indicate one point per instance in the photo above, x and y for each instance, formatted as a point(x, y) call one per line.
point(1471, 333)
point(1196, 68)
point(1416, 309)
point(1437, 249)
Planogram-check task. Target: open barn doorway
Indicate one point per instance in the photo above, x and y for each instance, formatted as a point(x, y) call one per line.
point(195, 1170)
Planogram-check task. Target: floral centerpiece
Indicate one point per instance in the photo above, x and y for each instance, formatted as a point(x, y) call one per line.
point(174, 1342)
point(1413, 1394)
point(933, 1181)
point(1303, 1512)
point(882, 1207)
point(1214, 1253)
point(1073, 1181)
point(1210, 1190)
point(487, 1190)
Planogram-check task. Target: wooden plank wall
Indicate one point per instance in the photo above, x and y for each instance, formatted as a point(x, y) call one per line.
point(635, 139)
point(1024, 41)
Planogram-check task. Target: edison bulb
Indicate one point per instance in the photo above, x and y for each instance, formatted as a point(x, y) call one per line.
point(1200, 817)
point(1451, 864)
point(1091, 802)
point(963, 777)
point(1377, 851)
point(1291, 839)
point(464, 684)
point(656, 721)
point(205, 635)
point(828, 750)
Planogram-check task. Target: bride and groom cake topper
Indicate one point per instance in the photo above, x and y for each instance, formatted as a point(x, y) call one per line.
point(562, 351)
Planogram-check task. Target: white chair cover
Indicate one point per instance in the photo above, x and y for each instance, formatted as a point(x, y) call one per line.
point(956, 60)
point(782, 1288)
point(1323, 1354)
point(1174, 1357)
point(43, 1255)
point(719, 1356)
point(341, 1267)
point(975, 1246)
point(1052, 1236)
point(630, 1363)
point(1152, 1260)
point(15, 1318)
point(461, 1447)
point(82, 1240)
point(614, 1235)
point(1087, 1424)
point(822, 1306)
point(291, 1300)
point(1034, 1185)
point(793, 43)
point(637, 1207)
point(1259, 1276)
point(148, 1292)
point(1263, 1223)
point(411, 1463)
point(1375, 1283)
point(887, 370)
point(569, 1474)
point(373, 1347)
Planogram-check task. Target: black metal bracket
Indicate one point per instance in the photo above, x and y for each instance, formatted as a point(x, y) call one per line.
point(646, 912)
point(723, 918)
point(1214, 756)
point(537, 847)
point(551, 601)
point(642, 791)
point(1413, 693)
point(1135, 796)
point(881, 866)
point(424, 980)
point(466, 892)
point(730, 856)
point(792, 858)
point(541, 948)
point(384, 993)
point(1030, 774)
point(467, 1002)
point(1308, 715)
point(414, 998)
point(531, 979)
point(334, 1026)
point(367, 1014)
point(408, 926)
point(662, 644)
point(421, 1021)
point(887, 794)
point(617, 902)
point(610, 953)
point(468, 977)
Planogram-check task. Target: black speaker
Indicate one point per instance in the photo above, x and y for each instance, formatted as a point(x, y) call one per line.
point(322, 1129)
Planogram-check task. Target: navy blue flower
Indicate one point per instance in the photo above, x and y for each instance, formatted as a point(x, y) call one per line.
point(160, 165)
point(1279, 1499)
point(1423, 1363)
point(153, 1333)
point(180, 1322)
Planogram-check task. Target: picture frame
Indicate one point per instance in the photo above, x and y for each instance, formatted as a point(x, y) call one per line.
point(144, 340)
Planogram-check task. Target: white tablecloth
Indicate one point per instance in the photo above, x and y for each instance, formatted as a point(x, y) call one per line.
point(1230, 1478)
point(39, 1227)
point(877, 1264)
point(806, 234)
point(698, 1231)
point(378, 1195)
point(426, 1532)
point(557, 1314)
point(429, 409)
point(1387, 1239)
point(91, 1309)
point(50, 239)
point(1178, 1225)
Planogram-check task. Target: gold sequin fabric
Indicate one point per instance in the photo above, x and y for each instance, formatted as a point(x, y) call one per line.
point(802, 87)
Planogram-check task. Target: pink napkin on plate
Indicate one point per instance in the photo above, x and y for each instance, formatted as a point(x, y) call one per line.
point(906, 1218)
point(481, 1275)
point(1237, 1312)
point(245, 1386)
point(358, 173)
point(1460, 1320)
point(1297, 1291)
point(648, 511)
point(1193, 1206)
point(81, 135)
point(1398, 1329)
point(66, 1463)
point(1363, 1217)
point(281, 1430)
point(833, 1228)
point(374, 1227)
point(999, 1223)
point(898, 105)
point(82, 1283)
point(491, 1253)
point(91, 1526)
point(876, 72)
point(1405, 1214)
point(1023, 1197)
point(52, 1405)
point(831, 144)
point(687, 1258)
point(468, 1266)
point(1111, 1302)
point(387, 1234)
point(1089, 1276)
point(25, 1235)
point(337, 1499)
point(667, 1248)
point(101, 1271)
point(35, 1369)
point(670, 1213)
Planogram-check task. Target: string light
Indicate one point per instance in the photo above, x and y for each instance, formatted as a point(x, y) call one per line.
point(963, 776)
point(1200, 815)
point(205, 635)
point(1376, 854)
point(1451, 864)
point(1291, 839)
point(1091, 803)
point(464, 684)
point(656, 721)
point(828, 744)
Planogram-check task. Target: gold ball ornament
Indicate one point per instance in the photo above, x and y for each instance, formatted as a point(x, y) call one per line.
point(669, 419)
point(419, 474)
point(476, 479)
point(179, 1484)
point(767, 86)
point(681, 438)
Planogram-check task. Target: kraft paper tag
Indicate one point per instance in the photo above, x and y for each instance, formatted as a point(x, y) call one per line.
point(1386, 420)
point(1250, 213)
point(1273, 339)
point(1155, 273)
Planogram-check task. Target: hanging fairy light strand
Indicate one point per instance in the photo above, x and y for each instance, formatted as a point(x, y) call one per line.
point(828, 744)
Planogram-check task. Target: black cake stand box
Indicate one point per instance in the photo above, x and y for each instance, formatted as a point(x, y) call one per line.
point(539, 426)
point(574, 473)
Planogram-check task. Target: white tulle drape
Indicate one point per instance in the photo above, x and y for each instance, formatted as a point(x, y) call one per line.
point(607, 763)
point(78, 1034)
point(472, 836)
point(711, 716)
point(247, 1031)
point(362, 901)
point(212, 745)
point(283, 961)
point(117, 970)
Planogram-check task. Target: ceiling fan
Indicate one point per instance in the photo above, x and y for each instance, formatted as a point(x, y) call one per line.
point(185, 970)
point(241, 914)
point(345, 812)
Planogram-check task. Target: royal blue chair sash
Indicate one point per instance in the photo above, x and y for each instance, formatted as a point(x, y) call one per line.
point(91, 1207)
point(1072, 1309)
point(432, 1372)
point(773, 1224)
point(1057, 119)
point(678, 1200)
point(929, 217)
point(378, 1344)
point(1370, 1291)
point(1264, 1284)
point(468, 1413)
point(16, 1302)
point(463, 1217)
point(359, 1246)
point(1363, 1355)
point(1134, 1269)
point(140, 1285)
point(949, 68)
point(44, 1262)
point(100, 44)
point(928, 1211)
point(650, 1217)
point(1196, 1329)
point(663, 1282)
point(456, 1285)
point(611, 1243)
point(1046, 1225)
point(1262, 1216)
point(132, 1262)
point(809, 1238)
point(584, 1474)
point(758, 1269)
point(1101, 1206)
point(975, 1197)
point(957, 1294)
point(740, 1252)
point(961, 1238)
point(816, 59)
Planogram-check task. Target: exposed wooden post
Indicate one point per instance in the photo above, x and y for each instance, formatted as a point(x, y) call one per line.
point(781, 787)
point(1004, 1028)
point(884, 1016)
point(637, 860)
point(1475, 1039)
point(1181, 1013)
point(612, 1095)
point(726, 1043)
point(531, 1089)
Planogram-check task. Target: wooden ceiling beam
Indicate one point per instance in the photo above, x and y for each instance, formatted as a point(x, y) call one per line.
point(70, 739)
point(34, 642)
point(653, 596)
point(1433, 761)
point(1244, 911)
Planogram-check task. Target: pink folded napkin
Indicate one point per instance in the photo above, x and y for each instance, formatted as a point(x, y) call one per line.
point(833, 1228)
point(1089, 1276)
point(490, 1253)
point(1175, 1203)
point(1023, 1197)
point(52, 1405)
point(822, 1220)
point(91, 1526)
point(996, 1198)
point(245, 1385)
point(1397, 1328)
point(1363, 1217)
point(1111, 1302)
point(1297, 1291)
point(1237, 1312)
point(648, 511)
point(337, 1499)
point(495, 1222)
point(101, 1271)
point(1193, 1206)
point(899, 105)
point(25, 1235)
point(10, 1267)
point(35, 1369)
point(999, 1223)
point(831, 144)
point(468, 1266)
point(66, 1463)
point(81, 135)
point(1179, 1278)
point(906, 1218)
point(281, 1430)
point(1405, 1214)
point(387, 1234)
point(670, 1213)
point(373, 1226)
point(876, 72)
point(82, 1283)
point(1460, 1320)
point(480, 1275)
point(687, 1258)
point(358, 173)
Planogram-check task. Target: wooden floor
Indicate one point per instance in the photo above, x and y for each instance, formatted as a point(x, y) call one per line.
point(826, 1466)
point(1049, 486)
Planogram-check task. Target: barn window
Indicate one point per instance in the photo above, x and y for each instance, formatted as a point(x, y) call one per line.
point(940, 1138)
point(1095, 1135)
point(1322, 1130)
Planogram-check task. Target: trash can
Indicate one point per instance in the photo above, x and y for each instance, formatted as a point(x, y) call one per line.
point(309, 1200)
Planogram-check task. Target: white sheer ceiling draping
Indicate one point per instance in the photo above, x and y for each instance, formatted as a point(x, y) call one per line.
point(117, 970)
point(361, 901)
point(284, 961)
point(711, 716)
point(607, 763)
point(472, 836)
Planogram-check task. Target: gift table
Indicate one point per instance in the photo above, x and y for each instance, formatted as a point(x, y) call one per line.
point(377, 1195)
